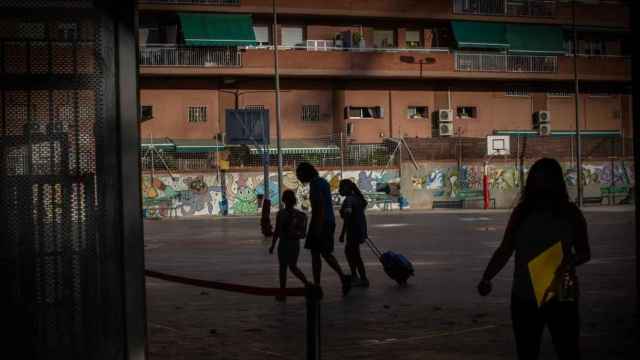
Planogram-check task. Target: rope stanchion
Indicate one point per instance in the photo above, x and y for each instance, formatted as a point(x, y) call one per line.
point(243, 289)
point(312, 296)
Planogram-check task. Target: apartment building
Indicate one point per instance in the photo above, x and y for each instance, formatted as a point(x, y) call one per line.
point(371, 70)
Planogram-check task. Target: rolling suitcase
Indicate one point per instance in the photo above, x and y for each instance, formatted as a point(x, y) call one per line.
point(397, 267)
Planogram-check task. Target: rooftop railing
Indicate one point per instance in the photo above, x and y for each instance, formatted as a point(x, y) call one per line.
point(477, 62)
point(533, 8)
point(175, 55)
point(195, 2)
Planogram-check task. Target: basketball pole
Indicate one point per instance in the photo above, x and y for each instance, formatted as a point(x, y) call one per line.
point(277, 86)
point(576, 100)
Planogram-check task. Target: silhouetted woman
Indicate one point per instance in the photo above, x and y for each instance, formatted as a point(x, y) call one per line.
point(354, 229)
point(544, 218)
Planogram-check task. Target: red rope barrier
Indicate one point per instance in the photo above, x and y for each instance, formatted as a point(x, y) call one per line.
point(251, 290)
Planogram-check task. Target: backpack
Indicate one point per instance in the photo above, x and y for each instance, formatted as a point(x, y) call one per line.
point(297, 227)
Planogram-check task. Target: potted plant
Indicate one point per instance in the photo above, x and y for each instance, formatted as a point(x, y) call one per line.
point(357, 40)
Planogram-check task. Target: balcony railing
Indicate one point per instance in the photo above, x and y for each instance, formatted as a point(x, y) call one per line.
point(190, 56)
point(475, 62)
point(533, 8)
point(195, 2)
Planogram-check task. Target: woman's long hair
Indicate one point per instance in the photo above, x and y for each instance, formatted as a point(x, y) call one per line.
point(353, 188)
point(545, 185)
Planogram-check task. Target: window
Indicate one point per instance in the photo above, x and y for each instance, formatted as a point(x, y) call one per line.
point(310, 112)
point(600, 95)
point(413, 39)
point(356, 112)
point(516, 91)
point(292, 36)
point(560, 93)
point(263, 34)
point(592, 47)
point(197, 114)
point(418, 112)
point(384, 39)
point(68, 31)
point(146, 112)
point(467, 112)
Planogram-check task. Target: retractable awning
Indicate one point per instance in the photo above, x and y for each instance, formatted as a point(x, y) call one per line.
point(159, 144)
point(559, 133)
point(535, 39)
point(217, 29)
point(186, 146)
point(480, 35)
point(298, 147)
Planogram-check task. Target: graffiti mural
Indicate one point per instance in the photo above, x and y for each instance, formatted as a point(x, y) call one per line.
point(194, 195)
point(606, 174)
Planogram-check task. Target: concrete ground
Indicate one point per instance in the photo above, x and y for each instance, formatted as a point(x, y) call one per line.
point(438, 316)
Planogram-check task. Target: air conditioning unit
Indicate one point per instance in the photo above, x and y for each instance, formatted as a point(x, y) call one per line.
point(445, 115)
point(544, 129)
point(445, 128)
point(542, 117)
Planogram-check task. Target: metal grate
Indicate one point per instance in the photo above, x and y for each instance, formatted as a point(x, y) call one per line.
point(197, 114)
point(51, 114)
point(310, 113)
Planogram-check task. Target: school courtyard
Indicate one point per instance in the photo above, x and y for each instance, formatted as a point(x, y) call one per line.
point(438, 316)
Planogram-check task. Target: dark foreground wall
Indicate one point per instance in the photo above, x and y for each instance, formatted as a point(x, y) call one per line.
point(71, 256)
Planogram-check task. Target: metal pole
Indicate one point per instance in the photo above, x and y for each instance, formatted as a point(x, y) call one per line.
point(577, 105)
point(277, 85)
point(313, 323)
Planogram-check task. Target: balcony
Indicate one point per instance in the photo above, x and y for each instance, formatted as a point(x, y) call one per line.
point(192, 2)
point(475, 62)
point(159, 55)
point(531, 8)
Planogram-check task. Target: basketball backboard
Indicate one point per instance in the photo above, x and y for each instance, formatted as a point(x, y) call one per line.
point(498, 145)
point(247, 126)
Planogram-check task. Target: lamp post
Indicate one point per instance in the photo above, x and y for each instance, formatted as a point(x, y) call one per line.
point(277, 86)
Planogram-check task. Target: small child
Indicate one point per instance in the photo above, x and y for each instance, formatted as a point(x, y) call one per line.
point(290, 228)
point(354, 229)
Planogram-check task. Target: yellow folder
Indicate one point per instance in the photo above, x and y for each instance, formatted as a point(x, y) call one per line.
point(542, 270)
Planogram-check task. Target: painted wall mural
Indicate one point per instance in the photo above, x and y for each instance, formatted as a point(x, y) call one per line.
point(454, 183)
point(195, 195)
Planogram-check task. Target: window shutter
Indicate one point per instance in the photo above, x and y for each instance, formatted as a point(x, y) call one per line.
point(346, 112)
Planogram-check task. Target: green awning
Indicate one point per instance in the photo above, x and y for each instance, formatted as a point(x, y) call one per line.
point(217, 29)
point(535, 39)
point(159, 144)
point(301, 147)
point(186, 146)
point(480, 35)
point(560, 133)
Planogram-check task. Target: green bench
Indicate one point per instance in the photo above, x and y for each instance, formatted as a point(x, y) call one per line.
point(378, 198)
point(448, 204)
point(612, 192)
point(474, 195)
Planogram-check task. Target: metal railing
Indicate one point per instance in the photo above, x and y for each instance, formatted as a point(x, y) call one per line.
point(534, 8)
point(329, 45)
point(160, 55)
point(475, 62)
point(196, 2)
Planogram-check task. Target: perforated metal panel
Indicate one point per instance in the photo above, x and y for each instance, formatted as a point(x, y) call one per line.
point(52, 102)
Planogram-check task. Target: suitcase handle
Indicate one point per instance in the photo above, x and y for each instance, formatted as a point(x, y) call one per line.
point(373, 248)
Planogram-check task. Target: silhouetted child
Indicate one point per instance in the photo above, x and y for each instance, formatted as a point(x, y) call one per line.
point(291, 226)
point(354, 229)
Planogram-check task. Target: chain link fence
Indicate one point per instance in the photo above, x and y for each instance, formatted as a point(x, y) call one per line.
point(330, 152)
point(205, 155)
